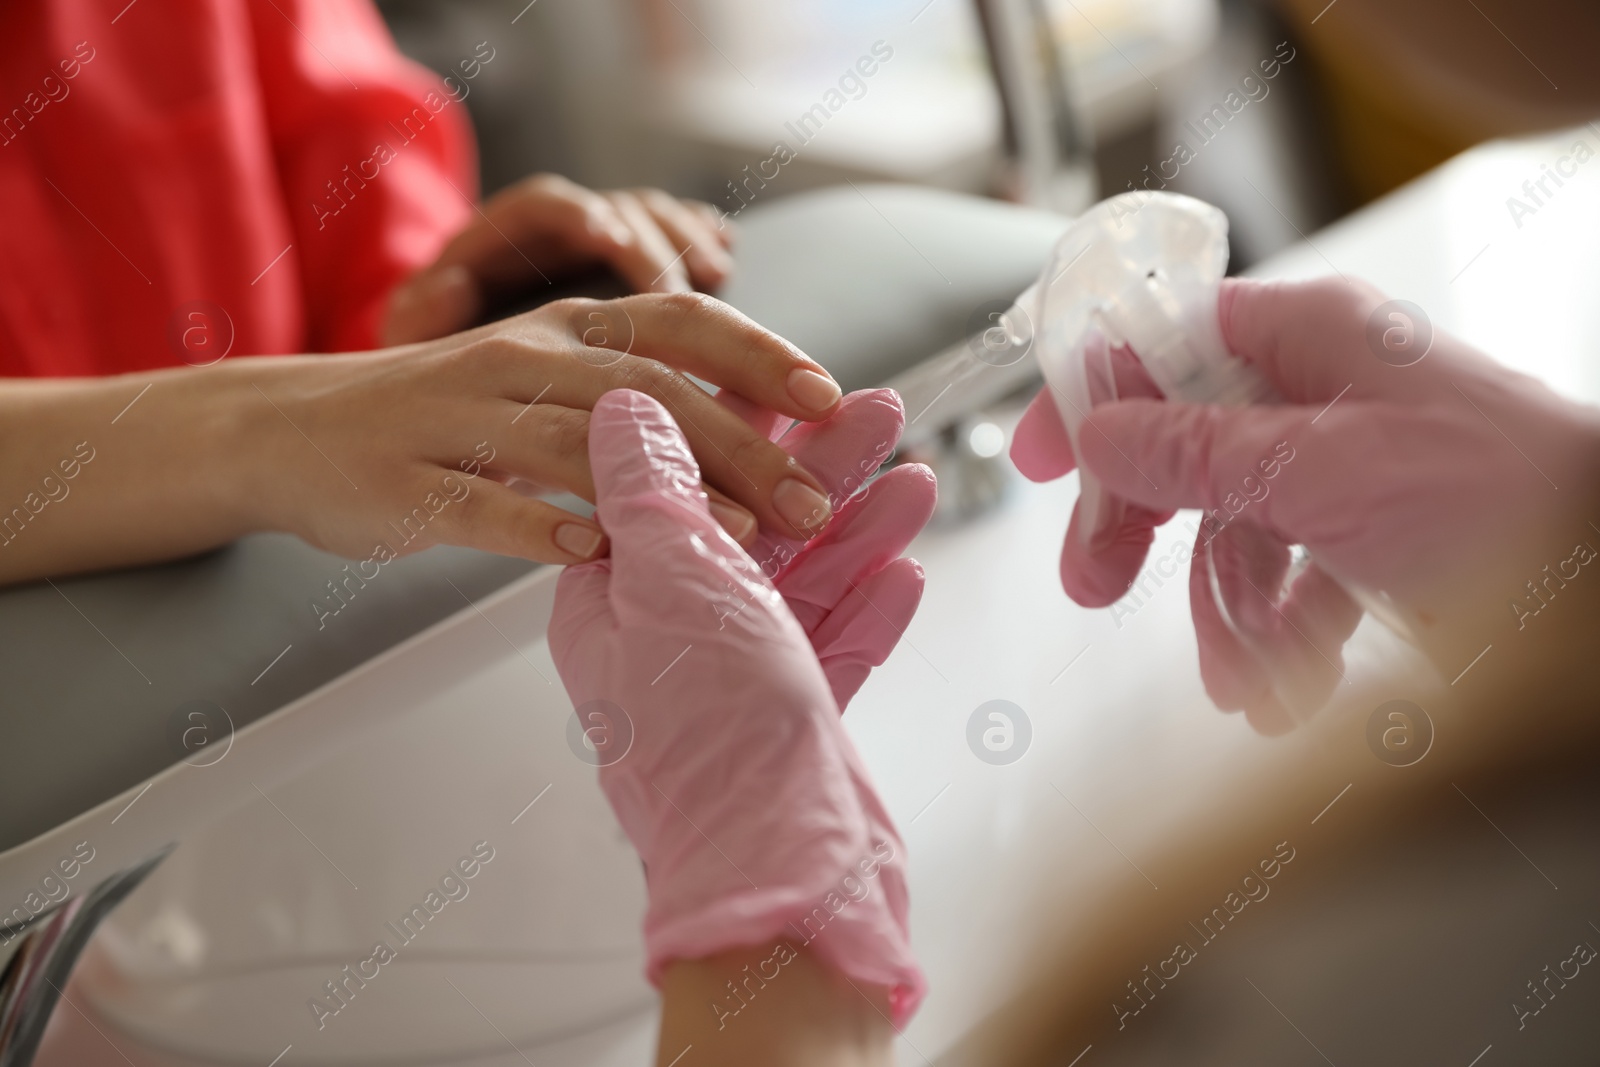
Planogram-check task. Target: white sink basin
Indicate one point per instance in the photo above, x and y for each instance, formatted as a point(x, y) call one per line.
point(223, 951)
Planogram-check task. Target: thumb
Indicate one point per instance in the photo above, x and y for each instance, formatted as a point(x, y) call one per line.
point(433, 303)
point(1166, 456)
point(665, 545)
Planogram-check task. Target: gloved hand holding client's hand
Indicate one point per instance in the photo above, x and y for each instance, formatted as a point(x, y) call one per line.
point(746, 800)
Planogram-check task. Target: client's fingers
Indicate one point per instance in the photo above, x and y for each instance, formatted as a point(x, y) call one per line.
point(693, 235)
point(650, 263)
point(715, 342)
point(842, 452)
point(845, 449)
point(434, 302)
point(762, 420)
point(497, 519)
point(547, 447)
point(731, 516)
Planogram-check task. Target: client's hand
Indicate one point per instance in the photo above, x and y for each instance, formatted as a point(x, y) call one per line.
point(544, 227)
point(510, 401)
point(379, 454)
point(744, 796)
point(1451, 484)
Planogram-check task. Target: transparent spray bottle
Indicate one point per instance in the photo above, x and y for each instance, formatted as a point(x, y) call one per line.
point(1137, 276)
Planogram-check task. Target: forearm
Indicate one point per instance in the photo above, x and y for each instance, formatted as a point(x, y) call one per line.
point(776, 1005)
point(110, 472)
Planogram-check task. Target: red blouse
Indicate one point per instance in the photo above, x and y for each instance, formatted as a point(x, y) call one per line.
point(185, 179)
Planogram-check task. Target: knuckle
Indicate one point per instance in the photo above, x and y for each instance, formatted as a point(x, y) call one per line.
point(475, 358)
point(588, 322)
point(545, 182)
point(604, 334)
point(755, 454)
point(563, 432)
point(688, 307)
point(569, 309)
point(468, 512)
point(648, 376)
point(659, 201)
point(526, 527)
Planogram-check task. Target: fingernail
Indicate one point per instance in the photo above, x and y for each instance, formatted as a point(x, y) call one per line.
point(801, 506)
point(739, 523)
point(812, 391)
point(581, 541)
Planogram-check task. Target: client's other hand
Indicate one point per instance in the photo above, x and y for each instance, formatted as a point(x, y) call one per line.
point(546, 227)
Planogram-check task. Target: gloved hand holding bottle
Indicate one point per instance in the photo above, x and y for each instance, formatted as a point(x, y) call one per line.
point(1453, 486)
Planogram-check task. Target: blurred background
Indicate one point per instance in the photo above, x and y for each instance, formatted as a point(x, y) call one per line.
point(1333, 103)
point(1413, 932)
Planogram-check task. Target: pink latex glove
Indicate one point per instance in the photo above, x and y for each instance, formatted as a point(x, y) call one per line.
point(741, 791)
point(1447, 484)
point(849, 587)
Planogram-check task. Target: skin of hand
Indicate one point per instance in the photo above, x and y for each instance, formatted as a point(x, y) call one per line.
point(1448, 485)
point(545, 227)
point(401, 447)
point(809, 1016)
point(745, 798)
